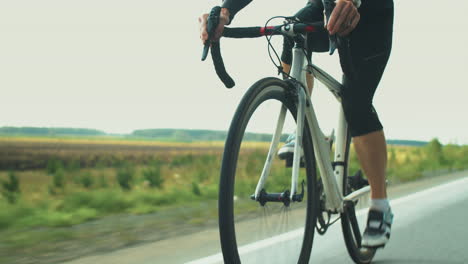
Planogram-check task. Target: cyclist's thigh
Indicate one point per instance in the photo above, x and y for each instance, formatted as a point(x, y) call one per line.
point(372, 38)
point(363, 63)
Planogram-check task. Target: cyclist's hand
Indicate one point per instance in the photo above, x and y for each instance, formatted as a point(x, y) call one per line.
point(223, 20)
point(344, 18)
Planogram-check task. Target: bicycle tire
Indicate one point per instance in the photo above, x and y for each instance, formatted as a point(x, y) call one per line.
point(261, 92)
point(360, 255)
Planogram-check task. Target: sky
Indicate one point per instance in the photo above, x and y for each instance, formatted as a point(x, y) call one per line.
point(119, 65)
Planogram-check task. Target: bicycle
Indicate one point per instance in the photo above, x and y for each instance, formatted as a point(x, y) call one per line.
point(313, 199)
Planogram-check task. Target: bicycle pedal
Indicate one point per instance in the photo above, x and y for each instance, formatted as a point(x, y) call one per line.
point(290, 159)
point(357, 181)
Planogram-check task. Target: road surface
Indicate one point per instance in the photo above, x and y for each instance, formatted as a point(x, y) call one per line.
point(429, 227)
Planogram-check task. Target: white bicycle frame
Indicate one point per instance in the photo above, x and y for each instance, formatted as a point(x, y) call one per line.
point(332, 178)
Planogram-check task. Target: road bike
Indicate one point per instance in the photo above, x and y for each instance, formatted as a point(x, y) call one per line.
point(265, 206)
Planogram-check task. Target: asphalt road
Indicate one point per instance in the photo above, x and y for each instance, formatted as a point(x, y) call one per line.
point(430, 227)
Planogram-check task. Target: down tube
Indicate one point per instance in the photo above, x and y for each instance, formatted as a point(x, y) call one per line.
point(322, 155)
point(340, 150)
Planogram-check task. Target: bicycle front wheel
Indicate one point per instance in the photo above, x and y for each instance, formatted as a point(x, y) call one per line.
point(274, 232)
point(353, 220)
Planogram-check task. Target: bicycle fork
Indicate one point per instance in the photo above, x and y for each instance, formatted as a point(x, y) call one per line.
point(297, 72)
point(286, 197)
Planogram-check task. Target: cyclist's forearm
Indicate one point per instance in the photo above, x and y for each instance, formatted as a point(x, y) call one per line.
point(234, 6)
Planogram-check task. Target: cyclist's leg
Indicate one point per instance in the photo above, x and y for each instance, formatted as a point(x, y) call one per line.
point(363, 64)
point(371, 149)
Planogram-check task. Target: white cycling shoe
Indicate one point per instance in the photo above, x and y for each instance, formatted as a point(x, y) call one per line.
point(286, 152)
point(377, 232)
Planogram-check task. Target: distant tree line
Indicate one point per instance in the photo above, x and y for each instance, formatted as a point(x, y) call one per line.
point(414, 143)
point(174, 135)
point(188, 135)
point(46, 131)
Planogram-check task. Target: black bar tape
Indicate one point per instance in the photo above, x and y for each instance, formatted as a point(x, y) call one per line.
point(219, 65)
point(248, 32)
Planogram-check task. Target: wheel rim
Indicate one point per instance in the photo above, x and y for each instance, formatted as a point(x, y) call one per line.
point(357, 211)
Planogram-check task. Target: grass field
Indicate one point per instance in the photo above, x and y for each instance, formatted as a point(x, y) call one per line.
point(54, 183)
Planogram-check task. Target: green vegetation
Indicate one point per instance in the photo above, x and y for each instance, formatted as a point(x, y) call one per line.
point(11, 189)
point(53, 166)
point(153, 175)
point(58, 179)
point(63, 189)
point(125, 177)
point(86, 180)
point(79, 181)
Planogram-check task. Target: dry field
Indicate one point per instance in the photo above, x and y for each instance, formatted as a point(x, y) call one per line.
point(34, 153)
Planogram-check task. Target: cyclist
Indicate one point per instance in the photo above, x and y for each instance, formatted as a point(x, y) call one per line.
point(365, 29)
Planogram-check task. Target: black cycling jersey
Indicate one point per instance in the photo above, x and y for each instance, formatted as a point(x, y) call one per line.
point(234, 6)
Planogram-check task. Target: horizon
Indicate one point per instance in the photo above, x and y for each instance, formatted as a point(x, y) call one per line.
point(106, 133)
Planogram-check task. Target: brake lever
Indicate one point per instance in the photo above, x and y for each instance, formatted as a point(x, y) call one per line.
point(328, 9)
point(206, 48)
point(211, 25)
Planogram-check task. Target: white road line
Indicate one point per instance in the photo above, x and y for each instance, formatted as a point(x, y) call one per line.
point(253, 246)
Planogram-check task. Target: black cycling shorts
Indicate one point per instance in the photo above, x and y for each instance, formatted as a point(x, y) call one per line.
point(363, 58)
